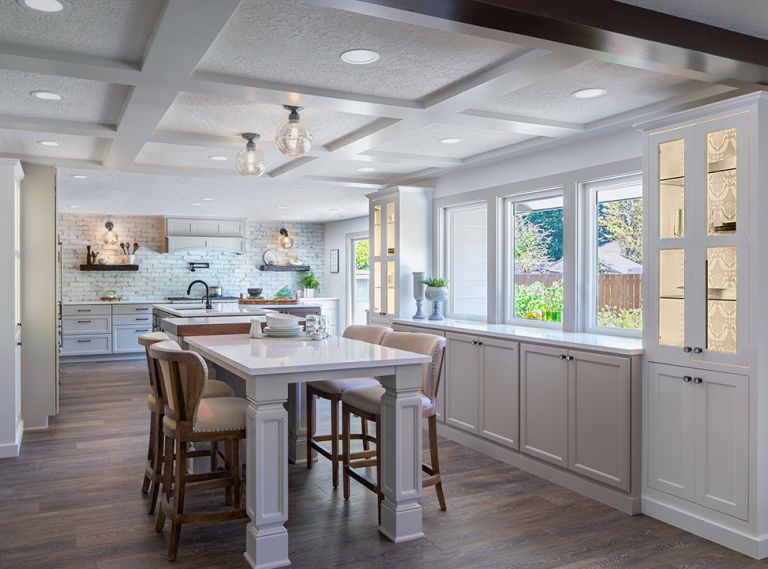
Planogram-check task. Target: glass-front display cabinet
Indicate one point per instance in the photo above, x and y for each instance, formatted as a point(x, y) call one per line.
point(697, 194)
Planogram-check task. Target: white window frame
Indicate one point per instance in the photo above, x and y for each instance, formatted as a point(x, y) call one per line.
point(447, 257)
point(588, 250)
point(508, 252)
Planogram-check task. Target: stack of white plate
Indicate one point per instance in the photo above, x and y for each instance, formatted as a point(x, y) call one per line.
point(282, 326)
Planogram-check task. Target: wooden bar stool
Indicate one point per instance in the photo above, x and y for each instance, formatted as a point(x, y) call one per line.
point(332, 390)
point(154, 464)
point(366, 404)
point(189, 418)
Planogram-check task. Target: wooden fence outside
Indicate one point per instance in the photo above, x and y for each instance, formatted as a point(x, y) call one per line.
point(621, 291)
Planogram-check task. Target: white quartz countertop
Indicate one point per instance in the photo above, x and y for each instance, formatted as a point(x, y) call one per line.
point(203, 320)
point(578, 340)
point(269, 356)
point(224, 309)
point(100, 302)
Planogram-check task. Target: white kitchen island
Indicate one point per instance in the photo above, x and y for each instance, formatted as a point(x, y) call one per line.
point(269, 367)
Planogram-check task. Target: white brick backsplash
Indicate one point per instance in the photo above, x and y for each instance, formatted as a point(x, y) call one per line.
point(167, 274)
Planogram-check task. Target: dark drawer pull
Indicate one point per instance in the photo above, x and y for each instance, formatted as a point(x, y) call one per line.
point(83, 321)
point(84, 341)
point(141, 309)
point(141, 319)
point(83, 309)
point(142, 330)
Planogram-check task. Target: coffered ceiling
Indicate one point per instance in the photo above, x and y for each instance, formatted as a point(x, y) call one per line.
point(152, 89)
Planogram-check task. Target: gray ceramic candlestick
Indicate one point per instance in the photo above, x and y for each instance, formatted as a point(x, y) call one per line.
point(418, 294)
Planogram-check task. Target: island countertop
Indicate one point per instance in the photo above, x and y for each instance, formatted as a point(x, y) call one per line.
point(226, 309)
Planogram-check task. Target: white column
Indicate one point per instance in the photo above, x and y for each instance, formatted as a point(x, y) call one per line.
point(266, 496)
point(297, 423)
point(401, 455)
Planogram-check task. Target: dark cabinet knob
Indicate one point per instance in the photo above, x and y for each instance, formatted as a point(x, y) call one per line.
point(569, 358)
point(687, 349)
point(687, 378)
point(697, 350)
point(697, 380)
point(563, 357)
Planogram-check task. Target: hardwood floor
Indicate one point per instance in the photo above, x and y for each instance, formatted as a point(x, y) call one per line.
point(72, 501)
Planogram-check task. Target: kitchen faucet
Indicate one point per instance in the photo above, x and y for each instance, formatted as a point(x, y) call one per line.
point(207, 292)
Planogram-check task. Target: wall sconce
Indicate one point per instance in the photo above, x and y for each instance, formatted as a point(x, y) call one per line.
point(286, 241)
point(109, 237)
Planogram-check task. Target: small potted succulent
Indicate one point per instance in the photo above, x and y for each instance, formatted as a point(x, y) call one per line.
point(436, 292)
point(310, 284)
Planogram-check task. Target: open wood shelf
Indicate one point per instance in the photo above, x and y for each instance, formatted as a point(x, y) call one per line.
point(109, 267)
point(285, 268)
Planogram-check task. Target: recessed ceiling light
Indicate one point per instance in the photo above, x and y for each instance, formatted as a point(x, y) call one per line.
point(218, 158)
point(79, 176)
point(366, 169)
point(73, 206)
point(46, 95)
point(333, 209)
point(590, 93)
point(207, 199)
point(47, 6)
point(48, 143)
point(283, 207)
point(359, 56)
point(197, 204)
point(450, 140)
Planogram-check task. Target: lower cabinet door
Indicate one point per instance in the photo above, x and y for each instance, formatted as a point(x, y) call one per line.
point(544, 403)
point(500, 392)
point(86, 345)
point(125, 339)
point(722, 442)
point(599, 416)
point(671, 429)
point(462, 382)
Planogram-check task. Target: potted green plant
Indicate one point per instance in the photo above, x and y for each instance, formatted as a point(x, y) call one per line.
point(436, 292)
point(310, 284)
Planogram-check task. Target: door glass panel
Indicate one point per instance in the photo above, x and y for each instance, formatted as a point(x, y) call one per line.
point(721, 299)
point(391, 286)
point(391, 229)
point(377, 231)
point(721, 181)
point(672, 189)
point(671, 297)
point(377, 290)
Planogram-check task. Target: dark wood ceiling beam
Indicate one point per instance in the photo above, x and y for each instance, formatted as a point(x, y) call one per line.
point(629, 34)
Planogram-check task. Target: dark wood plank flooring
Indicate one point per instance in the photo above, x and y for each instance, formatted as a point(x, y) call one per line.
point(72, 501)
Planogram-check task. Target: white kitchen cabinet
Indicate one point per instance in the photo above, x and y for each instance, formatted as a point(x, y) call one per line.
point(499, 391)
point(205, 227)
point(210, 244)
point(136, 309)
point(100, 323)
point(699, 435)
point(125, 338)
point(544, 403)
point(98, 344)
point(462, 382)
point(139, 319)
point(86, 309)
point(329, 307)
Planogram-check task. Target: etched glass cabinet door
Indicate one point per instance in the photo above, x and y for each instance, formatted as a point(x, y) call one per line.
point(384, 250)
point(698, 239)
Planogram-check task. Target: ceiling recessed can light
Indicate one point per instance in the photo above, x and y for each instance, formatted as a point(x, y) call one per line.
point(45, 6)
point(450, 140)
point(197, 204)
point(79, 176)
point(46, 95)
point(359, 56)
point(218, 158)
point(589, 93)
point(48, 143)
point(366, 169)
point(207, 199)
point(74, 206)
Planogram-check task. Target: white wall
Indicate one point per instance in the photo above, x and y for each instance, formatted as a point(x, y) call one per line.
point(556, 158)
point(38, 300)
point(335, 284)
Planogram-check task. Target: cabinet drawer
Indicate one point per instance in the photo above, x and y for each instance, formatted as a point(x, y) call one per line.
point(125, 339)
point(86, 324)
point(132, 309)
point(140, 319)
point(85, 309)
point(86, 345)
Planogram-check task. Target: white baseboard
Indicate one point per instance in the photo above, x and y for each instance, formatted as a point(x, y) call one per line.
point(611, 497)
point(101, 358)
point(732, 538)
point(9, 450)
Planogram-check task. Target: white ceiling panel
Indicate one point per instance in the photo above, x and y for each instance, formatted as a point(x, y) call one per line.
point(745, 16)
point(256, 198)
point(349, 169)
point(628, 88)
point(425, 141)
point(17, 142)
point(82, 100)
point(297, 43)
point(156, 153)
point(224, 116)
point(103, 28)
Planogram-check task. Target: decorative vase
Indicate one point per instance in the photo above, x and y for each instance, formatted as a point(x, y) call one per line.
point(436, 295)
point(418, 294)
point(309, 293)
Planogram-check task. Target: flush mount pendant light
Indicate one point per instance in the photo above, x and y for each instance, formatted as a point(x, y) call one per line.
point(250, 162)
point(109, 237)
point(286, 241)
point(292, 138)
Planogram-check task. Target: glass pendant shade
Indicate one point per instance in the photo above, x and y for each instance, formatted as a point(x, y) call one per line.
point(292, 138)
point(250, 161)
point(110, 236)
